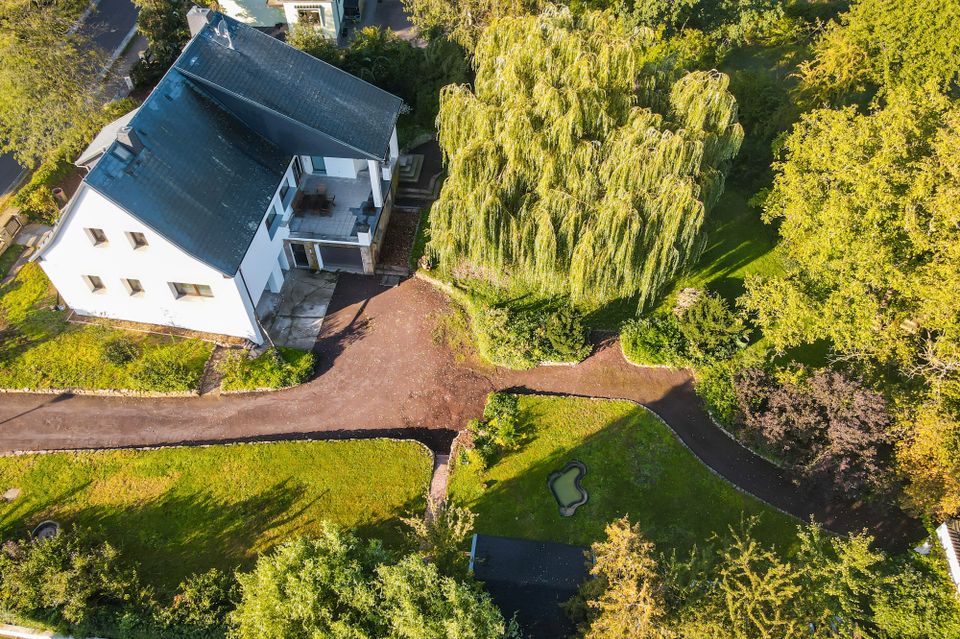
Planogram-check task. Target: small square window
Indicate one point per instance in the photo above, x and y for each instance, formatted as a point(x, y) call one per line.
point(97, 236)
point(138, 240)
point(133, 286)
point(95, 283)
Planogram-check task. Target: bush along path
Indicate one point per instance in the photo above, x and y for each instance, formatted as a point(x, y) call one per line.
point(380, 370)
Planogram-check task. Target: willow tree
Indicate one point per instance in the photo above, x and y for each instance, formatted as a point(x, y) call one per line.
point(583, 162)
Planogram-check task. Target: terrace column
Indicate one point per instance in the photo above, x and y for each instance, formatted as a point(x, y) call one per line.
point(375, 184)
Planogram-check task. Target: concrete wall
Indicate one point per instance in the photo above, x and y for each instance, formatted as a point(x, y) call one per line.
point(71, 255)
point(261, 265)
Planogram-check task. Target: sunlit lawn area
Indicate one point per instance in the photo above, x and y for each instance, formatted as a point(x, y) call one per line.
point(635, 466)
point(182, 510)
point(40, 349)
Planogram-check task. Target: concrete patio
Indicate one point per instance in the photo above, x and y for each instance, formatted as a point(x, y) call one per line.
point(294, 316)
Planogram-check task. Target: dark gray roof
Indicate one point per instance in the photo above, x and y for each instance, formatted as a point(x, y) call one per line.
point(203, 180)
point(530, 579)
point(285, 84)
point(219, 130)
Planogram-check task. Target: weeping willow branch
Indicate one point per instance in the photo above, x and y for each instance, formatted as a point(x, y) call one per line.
point(582, 163)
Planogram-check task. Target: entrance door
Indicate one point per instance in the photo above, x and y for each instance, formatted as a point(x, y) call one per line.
point(300, 259)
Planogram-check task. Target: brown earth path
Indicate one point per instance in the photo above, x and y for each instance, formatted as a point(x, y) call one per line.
point(381, 373)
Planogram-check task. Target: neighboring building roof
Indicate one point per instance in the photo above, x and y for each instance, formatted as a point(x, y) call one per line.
point(530, 579)
point(104, 139)
point(289, 88)
point(949, 535)
point(212, 141)
point(202, 179)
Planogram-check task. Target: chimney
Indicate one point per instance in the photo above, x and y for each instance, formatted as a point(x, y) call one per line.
point(129, 138)
point(197, 19)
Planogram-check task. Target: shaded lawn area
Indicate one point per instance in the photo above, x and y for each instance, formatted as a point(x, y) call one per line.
point(40, 349)
point(9, 257)
point(182, 510)
point(635, 466)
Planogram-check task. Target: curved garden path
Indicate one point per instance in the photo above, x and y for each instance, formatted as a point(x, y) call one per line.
point(381, 372)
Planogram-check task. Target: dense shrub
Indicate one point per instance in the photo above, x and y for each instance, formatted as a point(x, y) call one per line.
point(523, 337)
point(200, 607)
point(163, 370)
point(277, 367)
point(65, 580)
point(120, 351)
point(498, 431)
point(654, 341)
point(710, 329)
point(824, 426)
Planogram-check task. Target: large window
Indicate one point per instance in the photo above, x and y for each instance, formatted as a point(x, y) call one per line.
point(297, 170)
point(319, 166)
point(311, 14)
point(182, 289)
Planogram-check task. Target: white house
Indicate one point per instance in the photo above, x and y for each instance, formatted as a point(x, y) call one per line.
point(327, 15)
point(249, 158)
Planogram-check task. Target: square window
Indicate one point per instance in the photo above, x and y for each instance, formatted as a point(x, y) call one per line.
point(134, 287)
point(95, 283)
point(138, 240)
point(97, 236)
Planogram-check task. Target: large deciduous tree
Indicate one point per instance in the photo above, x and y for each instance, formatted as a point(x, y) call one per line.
point(868, 206)
point(337, 586)
point(584, 160)
point(878, 45)
point(48, 79)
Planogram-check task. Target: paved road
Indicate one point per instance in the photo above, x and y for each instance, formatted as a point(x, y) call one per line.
point(381, 373)
point(108, 25)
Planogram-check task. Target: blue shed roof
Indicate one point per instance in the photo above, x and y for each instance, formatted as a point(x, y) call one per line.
point(217, 134)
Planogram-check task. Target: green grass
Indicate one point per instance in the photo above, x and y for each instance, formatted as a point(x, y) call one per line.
point(40, 350)
point(9, 257)
point(635, 466)
point(183, 510)
point(272, 369)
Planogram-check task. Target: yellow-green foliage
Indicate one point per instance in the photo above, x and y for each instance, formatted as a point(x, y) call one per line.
point(181, 510)
point(275, 368)
point(39, 349)
point(583, 161)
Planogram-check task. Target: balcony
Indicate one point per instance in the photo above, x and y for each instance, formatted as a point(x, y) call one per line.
point(335, 209)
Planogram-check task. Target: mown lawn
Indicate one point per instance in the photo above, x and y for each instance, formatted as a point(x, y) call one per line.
point(183, 510)
point(39, 349)
point(635, 466)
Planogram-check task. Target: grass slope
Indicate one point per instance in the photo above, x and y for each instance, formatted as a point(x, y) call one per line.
point(183, 510)
point(39, 349)
point(635, 466)
point(8, 258)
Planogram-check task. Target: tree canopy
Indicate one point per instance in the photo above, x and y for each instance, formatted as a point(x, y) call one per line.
point(339, 587)
point(878, 45)
point(584, 160)
point(48, 79)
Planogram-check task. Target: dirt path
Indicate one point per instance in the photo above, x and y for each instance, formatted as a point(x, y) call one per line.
point(382, 373)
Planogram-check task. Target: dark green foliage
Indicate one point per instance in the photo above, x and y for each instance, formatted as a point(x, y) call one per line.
point(120, 351)
point(156, 371)
point(516, 336)
point(498, 431)
point(164, 24)
point(64, 581)
point(199, 609)
point(654, 341)
point(710, 329)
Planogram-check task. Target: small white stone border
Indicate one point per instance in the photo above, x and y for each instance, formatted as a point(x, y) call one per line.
point(103, 392)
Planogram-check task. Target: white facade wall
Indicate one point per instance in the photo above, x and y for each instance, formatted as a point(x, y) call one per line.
point(71, 255)
point(331, 14)
point(261, 266)
point(341, 167)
